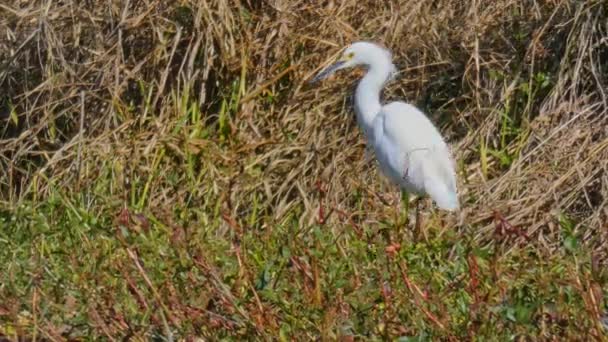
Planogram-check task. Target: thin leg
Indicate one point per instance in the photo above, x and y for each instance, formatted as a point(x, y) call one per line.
point(389, 234)
point(405, 200)
point(419, 227)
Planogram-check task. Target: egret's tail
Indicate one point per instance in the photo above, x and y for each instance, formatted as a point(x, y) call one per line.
point(440, 180)
point(446, 198)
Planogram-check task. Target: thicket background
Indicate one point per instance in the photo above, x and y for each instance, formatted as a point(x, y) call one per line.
point(167, 172)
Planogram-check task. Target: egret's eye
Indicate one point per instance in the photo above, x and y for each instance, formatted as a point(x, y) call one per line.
point(350, 55)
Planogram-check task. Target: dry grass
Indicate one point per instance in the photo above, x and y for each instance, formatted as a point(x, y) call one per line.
point(165, 170)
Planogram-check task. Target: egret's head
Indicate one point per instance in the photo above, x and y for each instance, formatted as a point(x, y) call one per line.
point(360, 53)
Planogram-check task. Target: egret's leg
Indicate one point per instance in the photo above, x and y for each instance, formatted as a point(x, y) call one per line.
point(419, 221)
point(389, 235)
point(405, 200)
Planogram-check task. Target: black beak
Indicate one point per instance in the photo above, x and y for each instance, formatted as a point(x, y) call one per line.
point(327, 72)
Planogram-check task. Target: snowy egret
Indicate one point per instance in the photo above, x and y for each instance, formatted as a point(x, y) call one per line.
point(408, 147)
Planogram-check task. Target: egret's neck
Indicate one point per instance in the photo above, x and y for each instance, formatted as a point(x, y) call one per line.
point(367, 96)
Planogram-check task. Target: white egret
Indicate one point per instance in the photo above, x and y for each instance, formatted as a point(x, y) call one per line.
point(408, 147)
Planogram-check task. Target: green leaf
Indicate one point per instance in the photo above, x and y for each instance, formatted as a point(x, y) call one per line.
point(14, 116)
point(571, 243)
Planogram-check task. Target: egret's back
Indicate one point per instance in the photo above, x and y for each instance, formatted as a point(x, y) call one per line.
point(412, 153)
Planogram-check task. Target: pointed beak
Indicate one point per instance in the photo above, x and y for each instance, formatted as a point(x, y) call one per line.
point(328, 71)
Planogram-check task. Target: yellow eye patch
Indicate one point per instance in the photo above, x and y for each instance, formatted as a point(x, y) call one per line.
point(349, 55)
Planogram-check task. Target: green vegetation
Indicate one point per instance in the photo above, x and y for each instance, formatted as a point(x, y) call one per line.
point(166, 173)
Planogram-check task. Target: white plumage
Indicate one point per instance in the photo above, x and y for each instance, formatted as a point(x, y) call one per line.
point(408, 147)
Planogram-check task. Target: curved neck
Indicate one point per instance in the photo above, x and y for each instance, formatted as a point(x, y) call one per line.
point(367, 95)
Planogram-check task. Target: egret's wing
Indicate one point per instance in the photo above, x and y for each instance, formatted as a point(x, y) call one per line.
point(409, 128)
point(412, 134)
